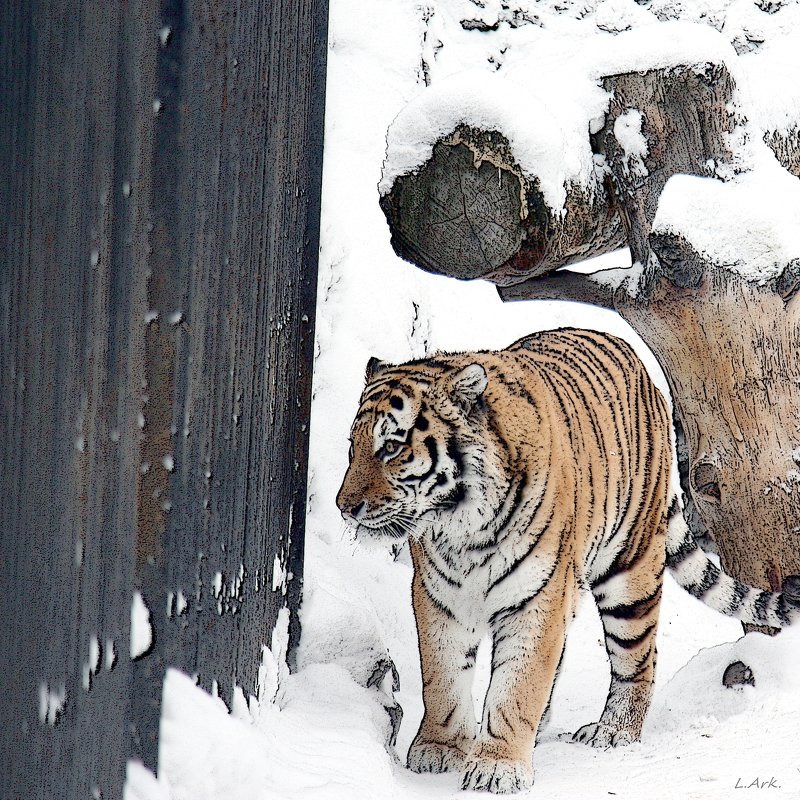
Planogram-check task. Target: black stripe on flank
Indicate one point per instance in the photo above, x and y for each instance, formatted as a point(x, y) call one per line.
point(630, 644)
point(624, 559)
point(600, 595)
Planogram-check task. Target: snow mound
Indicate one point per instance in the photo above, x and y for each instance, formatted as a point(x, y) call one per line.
point(696, 697)
point(325, 740)
point(749, 225)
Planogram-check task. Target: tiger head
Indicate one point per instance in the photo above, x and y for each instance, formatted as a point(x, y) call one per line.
point(414, 445)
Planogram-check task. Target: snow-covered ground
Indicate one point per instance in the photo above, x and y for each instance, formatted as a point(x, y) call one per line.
point(321, 733)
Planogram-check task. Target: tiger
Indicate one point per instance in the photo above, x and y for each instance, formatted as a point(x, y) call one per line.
point(520, 477)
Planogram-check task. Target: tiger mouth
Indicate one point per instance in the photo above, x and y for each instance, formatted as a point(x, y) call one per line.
point(391, 525)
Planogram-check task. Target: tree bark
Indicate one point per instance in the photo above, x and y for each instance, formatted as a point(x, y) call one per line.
point(727, 346)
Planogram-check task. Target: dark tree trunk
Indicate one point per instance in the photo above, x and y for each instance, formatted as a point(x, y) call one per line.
point(160, 168)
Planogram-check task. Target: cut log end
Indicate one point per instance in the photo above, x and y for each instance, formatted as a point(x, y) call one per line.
point(458, 215)
point(470, 212)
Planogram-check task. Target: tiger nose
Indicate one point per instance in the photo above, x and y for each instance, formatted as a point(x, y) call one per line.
point(356, 511)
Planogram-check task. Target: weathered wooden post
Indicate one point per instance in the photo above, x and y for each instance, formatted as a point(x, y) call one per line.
point(725, 334)
point(160, 167)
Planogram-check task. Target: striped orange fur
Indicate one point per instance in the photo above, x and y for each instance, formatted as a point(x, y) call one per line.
point(522, 476)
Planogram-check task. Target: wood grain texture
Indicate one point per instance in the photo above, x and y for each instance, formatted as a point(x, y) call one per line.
point(160, 170)
point(727, 347)
point(729, 350)
point(71, 300)
point(470, 212)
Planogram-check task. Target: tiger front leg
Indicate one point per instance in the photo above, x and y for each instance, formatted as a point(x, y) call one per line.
point(528, 644)
point(447, 658)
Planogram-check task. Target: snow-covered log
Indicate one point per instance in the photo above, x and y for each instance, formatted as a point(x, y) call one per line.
point(712, 220)
point(472, 212)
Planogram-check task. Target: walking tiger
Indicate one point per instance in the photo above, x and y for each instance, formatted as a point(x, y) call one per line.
point(521, 476)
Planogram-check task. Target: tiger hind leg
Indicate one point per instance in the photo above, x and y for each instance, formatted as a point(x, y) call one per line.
point(629, 605)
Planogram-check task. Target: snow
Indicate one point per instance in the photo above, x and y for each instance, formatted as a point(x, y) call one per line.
point(628, 132)
point(141, 629)
point(484, 101)
point(749, 225)
point(110, 652)
point(52, 701)
point(320, 734)
point(545, 123)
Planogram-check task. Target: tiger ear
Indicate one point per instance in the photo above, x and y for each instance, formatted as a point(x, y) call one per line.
point(374, 368)
point(467, 385)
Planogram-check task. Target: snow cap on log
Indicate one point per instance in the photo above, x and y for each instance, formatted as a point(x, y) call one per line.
point(546, 128)
point(749, 225)
point(487, 102)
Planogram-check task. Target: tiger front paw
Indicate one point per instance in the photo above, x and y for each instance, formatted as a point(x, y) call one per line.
point(598, 734)
point(497, 776)
point(434, 757)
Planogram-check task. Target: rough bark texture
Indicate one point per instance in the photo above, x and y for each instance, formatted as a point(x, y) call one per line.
point(786, 146)
point(686, 124)
point(728, 347)
point(160, 167)
point(729, 352)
